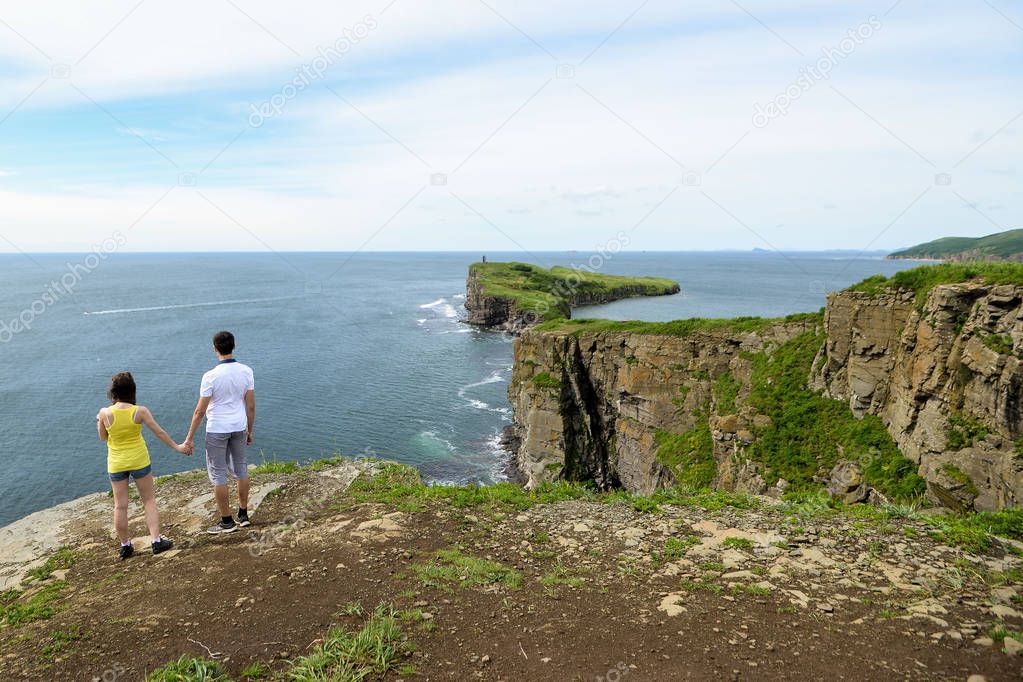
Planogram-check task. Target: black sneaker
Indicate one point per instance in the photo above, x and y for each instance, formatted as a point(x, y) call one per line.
point(243, 520)
point(126, 551)
point(222, 527)
point(162, 545)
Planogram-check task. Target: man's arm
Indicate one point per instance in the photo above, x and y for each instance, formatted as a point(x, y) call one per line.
point(250, 412)
point(200, 412)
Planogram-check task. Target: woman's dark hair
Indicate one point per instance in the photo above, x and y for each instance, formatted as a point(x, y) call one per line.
point(122, 388)
point(224, 342)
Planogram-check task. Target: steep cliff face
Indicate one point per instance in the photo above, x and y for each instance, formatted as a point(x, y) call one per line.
point(867, 399)
point(605, 406)
point(499, 312)
point(946, 379)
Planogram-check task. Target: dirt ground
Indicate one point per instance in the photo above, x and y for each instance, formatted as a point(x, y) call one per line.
point(602, 595)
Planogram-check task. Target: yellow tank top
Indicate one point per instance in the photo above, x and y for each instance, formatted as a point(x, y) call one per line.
point(126, 449)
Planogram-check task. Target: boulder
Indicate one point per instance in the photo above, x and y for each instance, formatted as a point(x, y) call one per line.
point(846, 483)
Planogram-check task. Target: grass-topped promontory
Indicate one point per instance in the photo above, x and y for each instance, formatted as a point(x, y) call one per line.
point(549, 294)
point(921, 280)
point(677, 327)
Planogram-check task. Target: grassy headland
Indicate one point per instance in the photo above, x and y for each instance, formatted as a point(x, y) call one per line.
point(1006, 245)
point(550, 294)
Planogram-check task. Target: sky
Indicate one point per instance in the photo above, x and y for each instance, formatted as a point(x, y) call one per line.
point(253, 125)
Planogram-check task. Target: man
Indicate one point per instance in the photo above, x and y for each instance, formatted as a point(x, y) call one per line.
point(227, 398)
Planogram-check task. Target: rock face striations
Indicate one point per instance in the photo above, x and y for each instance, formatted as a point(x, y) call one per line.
point(945, 377)
point(887, 395)
point(514, 296)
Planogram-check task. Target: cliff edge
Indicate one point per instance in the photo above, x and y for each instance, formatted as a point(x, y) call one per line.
point(900, 388)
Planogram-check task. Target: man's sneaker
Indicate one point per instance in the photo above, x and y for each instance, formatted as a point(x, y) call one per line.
point(243, 520)
point(222, 527)
point(162, 545)
point(126, 551)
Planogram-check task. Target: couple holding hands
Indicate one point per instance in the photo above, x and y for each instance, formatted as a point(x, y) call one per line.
point(227, 399)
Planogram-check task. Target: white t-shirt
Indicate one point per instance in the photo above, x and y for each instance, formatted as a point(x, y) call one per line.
point(226, 385)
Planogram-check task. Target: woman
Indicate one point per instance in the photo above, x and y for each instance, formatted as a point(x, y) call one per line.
point(120, 426)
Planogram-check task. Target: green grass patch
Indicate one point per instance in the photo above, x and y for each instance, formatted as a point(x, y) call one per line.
point(726, 390)
point(921, 280)
point(349, 656)
point(63, 559)
point(402, 486)
point(744, 544)
point(690, 455)
point(450, 567)
point(809, 431)
point(19, 610)
point(674, 549)
point(687, 327)
point(58, 640)
point(999, 343)
point(964, 431)
point(546, 380)
point(561, 575)
point(959, 476)
point(276, 466)
point(189, 669)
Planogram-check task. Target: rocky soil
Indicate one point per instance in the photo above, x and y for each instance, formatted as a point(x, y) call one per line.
point(603, 591)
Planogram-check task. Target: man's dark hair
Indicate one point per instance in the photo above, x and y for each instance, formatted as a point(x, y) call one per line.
point(224, 342)
point(122, 388)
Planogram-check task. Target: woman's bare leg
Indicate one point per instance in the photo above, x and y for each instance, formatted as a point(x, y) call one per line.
point(147, 491)
point(120, 489)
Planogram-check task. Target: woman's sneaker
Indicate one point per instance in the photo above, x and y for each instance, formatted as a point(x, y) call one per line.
point(126, 551)
point(243, 519)
point(162, 545)
point(223, 527)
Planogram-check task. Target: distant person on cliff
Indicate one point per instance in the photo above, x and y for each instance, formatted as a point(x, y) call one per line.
point(227, 399)
point(120, 427)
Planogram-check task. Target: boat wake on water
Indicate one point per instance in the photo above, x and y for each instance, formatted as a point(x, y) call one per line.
point(189, 305)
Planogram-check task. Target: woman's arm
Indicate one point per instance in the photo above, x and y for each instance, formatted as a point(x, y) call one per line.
point(148, 420)
point(101, 425)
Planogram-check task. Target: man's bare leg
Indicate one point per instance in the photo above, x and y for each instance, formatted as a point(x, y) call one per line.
point(221, 495)
point(243, 493)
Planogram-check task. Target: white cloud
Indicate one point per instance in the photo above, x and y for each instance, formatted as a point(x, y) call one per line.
point(549, 162)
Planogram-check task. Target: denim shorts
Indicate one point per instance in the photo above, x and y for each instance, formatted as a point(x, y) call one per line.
point(135, 474)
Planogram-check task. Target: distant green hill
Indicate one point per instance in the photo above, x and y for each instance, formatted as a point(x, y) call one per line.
point(1001, 246)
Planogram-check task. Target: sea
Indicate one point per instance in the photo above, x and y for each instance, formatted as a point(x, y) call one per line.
point(360, 354)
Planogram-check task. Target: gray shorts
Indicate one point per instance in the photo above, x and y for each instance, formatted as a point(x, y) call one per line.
point(225, 453)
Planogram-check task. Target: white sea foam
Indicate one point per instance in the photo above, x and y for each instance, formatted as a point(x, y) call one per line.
point(494, 378)
point(188, 305)
point(439, 301)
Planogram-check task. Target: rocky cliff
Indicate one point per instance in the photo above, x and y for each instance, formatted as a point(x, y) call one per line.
point(879, 392)
point(607, 405)
point(945, 377)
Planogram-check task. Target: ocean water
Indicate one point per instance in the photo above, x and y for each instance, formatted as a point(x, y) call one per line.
point(360, 354)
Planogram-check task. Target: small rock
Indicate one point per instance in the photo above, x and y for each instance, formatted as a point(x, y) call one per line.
point(1012, 646)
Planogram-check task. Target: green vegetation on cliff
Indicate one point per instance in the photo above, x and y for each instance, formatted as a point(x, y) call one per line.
point(550, 294)
point(686, 327)
point(921, 280)
point(999, 246)
point(811, 433)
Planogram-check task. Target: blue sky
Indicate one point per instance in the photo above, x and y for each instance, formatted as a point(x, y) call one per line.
point(487, 125)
